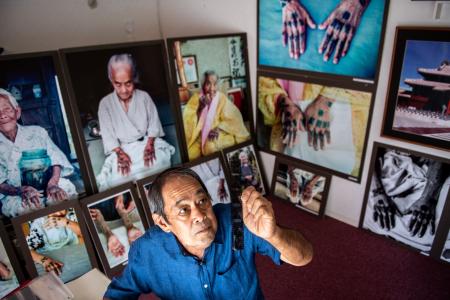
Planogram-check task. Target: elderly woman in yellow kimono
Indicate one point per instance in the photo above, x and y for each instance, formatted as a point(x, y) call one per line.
point(211, 121)
point(319, 124)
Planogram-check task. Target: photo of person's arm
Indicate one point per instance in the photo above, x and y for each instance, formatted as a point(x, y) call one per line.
point(133, 233)
point(30, 196)
point(47, 263)
point(53, 190)
point(113, 244)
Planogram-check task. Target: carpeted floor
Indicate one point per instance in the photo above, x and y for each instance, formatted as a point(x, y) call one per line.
point(350, 263)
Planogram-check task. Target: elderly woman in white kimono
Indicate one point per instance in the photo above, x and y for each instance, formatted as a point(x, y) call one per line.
point(130, 127)
point(18, 198)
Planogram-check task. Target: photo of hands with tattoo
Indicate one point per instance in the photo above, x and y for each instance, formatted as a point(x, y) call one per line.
point(57, 244)
point(406, 197)
point(320, 124)
point(118, 225)
point(314, 33)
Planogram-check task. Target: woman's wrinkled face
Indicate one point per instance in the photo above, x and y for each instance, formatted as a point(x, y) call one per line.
point(8, 115)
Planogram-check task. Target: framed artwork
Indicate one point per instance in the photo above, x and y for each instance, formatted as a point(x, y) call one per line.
point(123, 108)
point(10, 272)
point(212, 172)
point(41, 161)
point(143, 186)
point(215, 110)
point(418, 106)
point(307, 188)
point(405, 195)
point(55, 239)
point(190, 69)
point(334, 38)
point(245, 168)
point(315, 122)
point(115, 219)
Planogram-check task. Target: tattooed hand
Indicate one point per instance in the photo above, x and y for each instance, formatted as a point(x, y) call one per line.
point(340, 27)
point(318, 122)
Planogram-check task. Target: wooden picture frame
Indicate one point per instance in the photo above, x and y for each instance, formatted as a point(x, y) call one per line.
point(216, 53)
point(396, 204)
point(319, 185)
point(56, 239)
point(115, 223)
point(47, 128)
point(417, 107)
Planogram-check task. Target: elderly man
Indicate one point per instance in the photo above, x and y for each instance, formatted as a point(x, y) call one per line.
point(189, 255)
point(211, 121)
point(19, 196)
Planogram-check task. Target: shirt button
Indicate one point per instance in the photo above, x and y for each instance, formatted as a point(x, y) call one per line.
point(205, 286)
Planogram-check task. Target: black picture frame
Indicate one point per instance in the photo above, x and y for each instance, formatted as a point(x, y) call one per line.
point(110, 267)
point(231, 157)
point(279, 186)
point(272, 56)
point(414, 106)
point(212, 169)
point(85, 248)
point(38, 81)
point(399, 215)
point(356, 102)
point(10, 260)
point(88, 83)
point(142, 186)
point(239, 91)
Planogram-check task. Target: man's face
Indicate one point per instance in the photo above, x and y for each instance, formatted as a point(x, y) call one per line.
point(210, 87)
point(190, 214)
point(122, 81)
point(8, 116)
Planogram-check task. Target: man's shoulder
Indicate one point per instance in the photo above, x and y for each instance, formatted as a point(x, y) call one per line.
point(141, 94)
point(153, 236)
point(106, 99)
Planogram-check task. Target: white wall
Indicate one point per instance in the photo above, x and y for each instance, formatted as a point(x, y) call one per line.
point(35, 25)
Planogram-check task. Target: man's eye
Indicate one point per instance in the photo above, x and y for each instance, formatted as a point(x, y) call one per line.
point(183, 211)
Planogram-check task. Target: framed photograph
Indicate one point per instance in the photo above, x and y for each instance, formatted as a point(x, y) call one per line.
point(307, 188)
point(11, 274)
point(41, 161)
point(190, 69)
point(55, 239)
point(418, 107)
point(143, 186)
point(337, 39)
point(318, 123)
point(124, 113)
point(216, 109)
point(212, 172)
point(405, 195)
point(245, 168)
point(115, 220)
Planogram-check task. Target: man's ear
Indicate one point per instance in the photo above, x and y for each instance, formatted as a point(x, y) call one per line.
point(161, 222)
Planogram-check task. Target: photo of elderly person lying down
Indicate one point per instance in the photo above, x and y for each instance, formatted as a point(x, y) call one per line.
point(118, 224)
point(33, 170)
point(56, 244)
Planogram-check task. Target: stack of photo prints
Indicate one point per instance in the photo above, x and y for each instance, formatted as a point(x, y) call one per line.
point(76, 164)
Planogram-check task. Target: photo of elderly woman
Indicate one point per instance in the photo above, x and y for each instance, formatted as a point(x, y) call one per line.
point(244, 167)
point(38, 163)
point(118, 224)
point(121, 93)
point(56, 243)
point(8, 279)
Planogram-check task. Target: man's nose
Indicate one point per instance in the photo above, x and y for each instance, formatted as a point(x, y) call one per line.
point(198, 214)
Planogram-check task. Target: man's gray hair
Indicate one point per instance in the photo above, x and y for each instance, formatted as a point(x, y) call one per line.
point(7, 95)
point(124, 58)
point(209, 73)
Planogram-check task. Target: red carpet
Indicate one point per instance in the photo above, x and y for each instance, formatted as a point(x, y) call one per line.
point(350, 263)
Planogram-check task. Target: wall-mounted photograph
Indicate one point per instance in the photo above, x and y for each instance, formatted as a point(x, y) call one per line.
point(39, 156)
point(245, 168)
point(123, 110)
point(331, 37)
point(216, 107)
point(10, 270)
point(211, 171)
point(314, 122)
point(115, 220)
point(405, 195)
point(418, 104)
point(305, 187)
point(55, 239)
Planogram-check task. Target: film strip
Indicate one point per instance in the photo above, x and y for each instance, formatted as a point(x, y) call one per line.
point(236, 216)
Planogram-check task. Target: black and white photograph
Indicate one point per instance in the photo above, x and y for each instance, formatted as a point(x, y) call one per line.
point(55, 239)
point(124, 110)
point(405, 195)
point(39, 165)
point(115, 220)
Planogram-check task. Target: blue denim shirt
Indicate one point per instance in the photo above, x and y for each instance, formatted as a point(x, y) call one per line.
point(157, 263)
